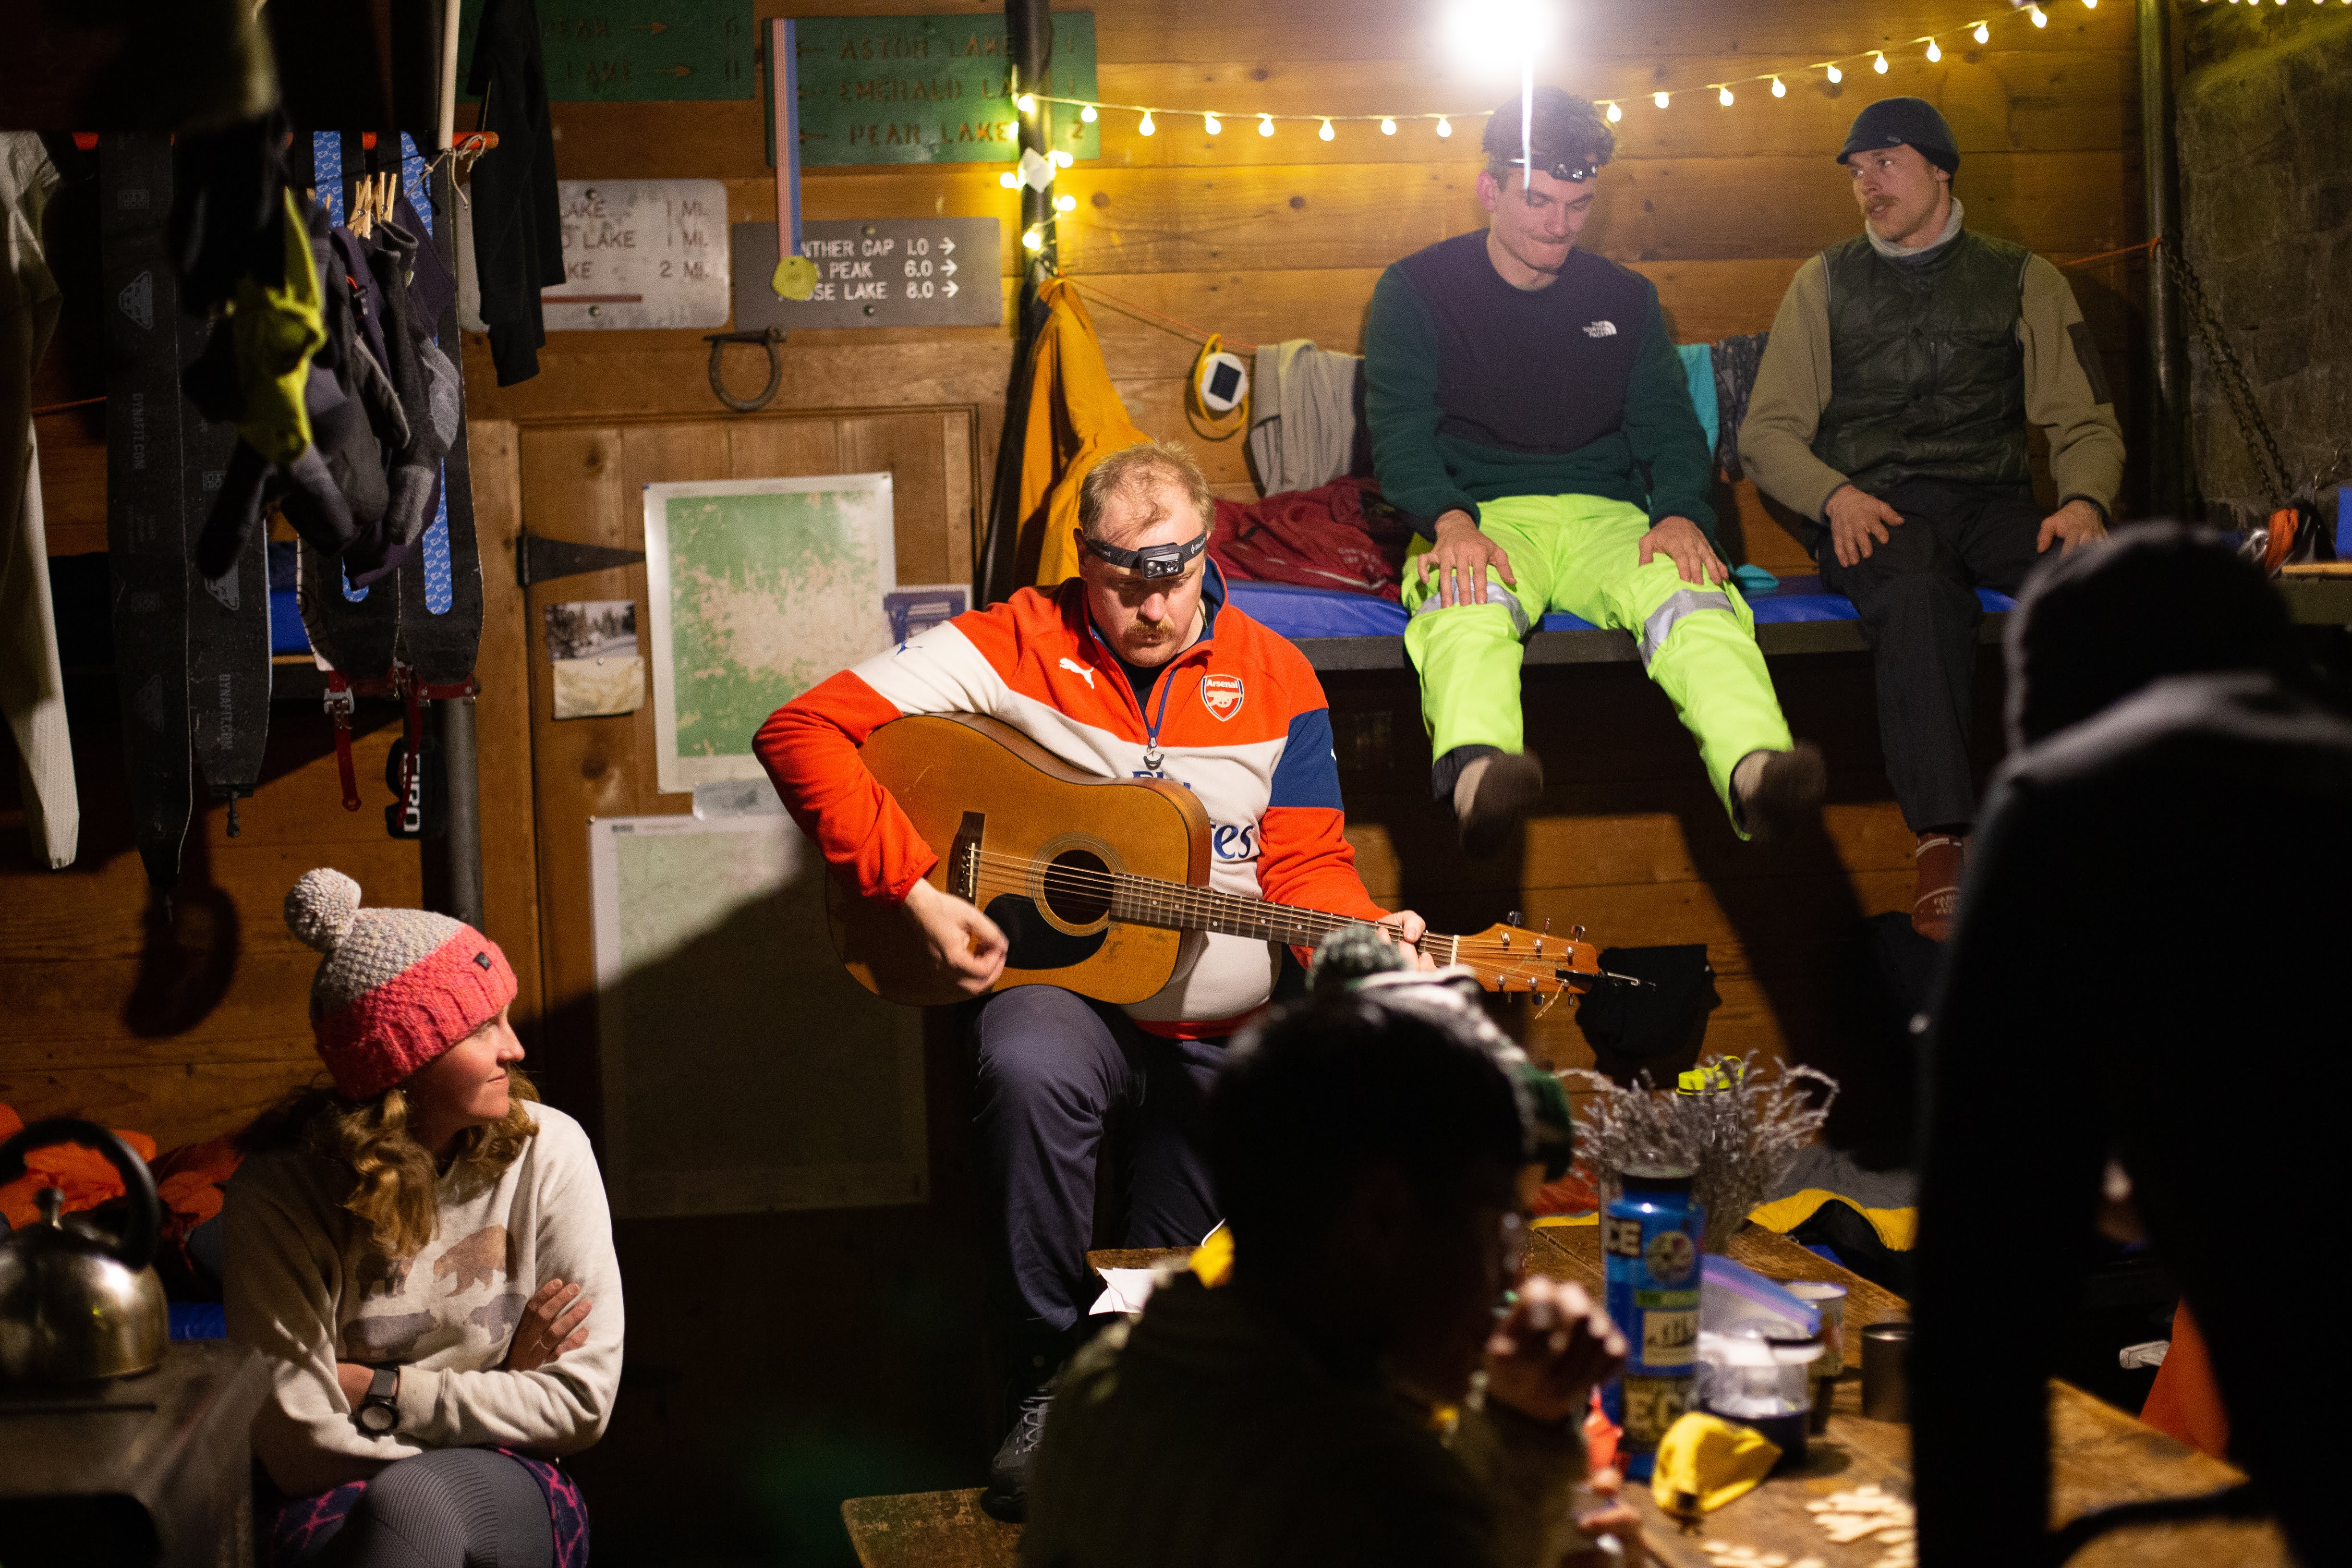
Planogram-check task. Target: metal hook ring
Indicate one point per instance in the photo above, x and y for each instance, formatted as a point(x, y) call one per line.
point(769, 338)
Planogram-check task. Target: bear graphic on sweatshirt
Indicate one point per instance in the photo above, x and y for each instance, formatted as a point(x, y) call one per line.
point(499, 1316)
point(388, 1338)
point(476, 1260)
point(385, 1276)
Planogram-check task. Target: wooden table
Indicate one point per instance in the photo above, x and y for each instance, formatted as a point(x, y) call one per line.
point(2098, 1455)
point(929, 1529)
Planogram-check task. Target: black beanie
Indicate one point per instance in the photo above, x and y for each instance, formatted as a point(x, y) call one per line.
point(1897, 121)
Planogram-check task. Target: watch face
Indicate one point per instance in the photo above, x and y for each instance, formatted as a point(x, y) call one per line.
point(378, 1419)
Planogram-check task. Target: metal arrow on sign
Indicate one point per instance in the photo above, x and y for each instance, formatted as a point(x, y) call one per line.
point(679, 71)
point(653, 29)
point(946, 247)
point(949, 288)
point(948, 267)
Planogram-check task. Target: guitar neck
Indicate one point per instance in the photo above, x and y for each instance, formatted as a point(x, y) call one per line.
point(1174, 906)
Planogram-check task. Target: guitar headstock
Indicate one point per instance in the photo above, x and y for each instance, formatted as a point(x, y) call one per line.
point(1512, 958)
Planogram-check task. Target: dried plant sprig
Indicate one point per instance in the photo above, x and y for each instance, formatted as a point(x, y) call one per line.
point(1741, 1137)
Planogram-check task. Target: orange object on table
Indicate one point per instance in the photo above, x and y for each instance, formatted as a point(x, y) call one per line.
point(2186, 1402)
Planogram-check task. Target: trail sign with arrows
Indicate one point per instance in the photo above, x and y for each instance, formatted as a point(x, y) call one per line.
point(881, 272)
point(637, 51)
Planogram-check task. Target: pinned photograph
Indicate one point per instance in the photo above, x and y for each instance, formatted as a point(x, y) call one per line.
point(599, 672)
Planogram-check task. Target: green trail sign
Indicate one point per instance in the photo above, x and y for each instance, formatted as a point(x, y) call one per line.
point(637, 51)
point(931, 90)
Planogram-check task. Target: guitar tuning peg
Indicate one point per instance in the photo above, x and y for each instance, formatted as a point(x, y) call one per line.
point(1546, 925)
point(1576, 932)
point(1512, 919)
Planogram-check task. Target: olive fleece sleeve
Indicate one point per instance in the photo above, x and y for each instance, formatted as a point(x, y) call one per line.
point(1792, 387)
point(2066, 391)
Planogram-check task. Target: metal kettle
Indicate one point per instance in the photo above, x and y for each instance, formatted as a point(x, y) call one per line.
point(77, 1305)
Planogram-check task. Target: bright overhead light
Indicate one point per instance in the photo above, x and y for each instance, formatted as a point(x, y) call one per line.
point(1779, 88)
point(2041, 21)
point(1836, 75)
point(1061, 159)
point(1983, 35)
point(1326, 132)
point(1878, 64)
point(1616, 115)
point(1213, 122)
point(1026, 103)
point(1088, 114)
point(1388, 127)
point(1265, 124)
point(1066, 203)
point(1145, 127)
point(1482, 32)
point(1723, 96)
point(1934, 51)
point(1009, 180)
point(1659, 98)
point(1033, 240)
point(1445, 126)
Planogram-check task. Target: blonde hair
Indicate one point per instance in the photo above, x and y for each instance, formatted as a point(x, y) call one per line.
point(1133, 473)
point(395, 1181)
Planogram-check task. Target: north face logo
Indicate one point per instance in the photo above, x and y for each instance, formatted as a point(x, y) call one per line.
point(1221, 695)
point(1601, 329)
point(138, 300)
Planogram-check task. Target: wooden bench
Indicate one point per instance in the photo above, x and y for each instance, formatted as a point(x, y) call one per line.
point(930, 1529)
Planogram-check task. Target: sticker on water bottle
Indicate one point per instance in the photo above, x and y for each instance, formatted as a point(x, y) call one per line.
point(1669, 1339)
point(1651, 1406)
point(1671, 1258)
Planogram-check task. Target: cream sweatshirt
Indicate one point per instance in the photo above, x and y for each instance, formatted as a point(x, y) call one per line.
point(306, 1287)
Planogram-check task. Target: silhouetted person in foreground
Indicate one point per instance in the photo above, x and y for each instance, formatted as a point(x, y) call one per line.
point(2148, 969)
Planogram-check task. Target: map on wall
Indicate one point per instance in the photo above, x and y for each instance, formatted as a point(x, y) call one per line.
point(712, 962)
point(758, 589)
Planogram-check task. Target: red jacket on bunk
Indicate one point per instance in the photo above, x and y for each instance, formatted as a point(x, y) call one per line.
point(1238, 718)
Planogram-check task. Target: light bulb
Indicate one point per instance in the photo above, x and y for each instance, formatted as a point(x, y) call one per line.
point(1983, 35)
point(1659, 98)
point(2093, 4)
point(1779, 88)
point(1063, 160)
point(1616, 115)
point(1836, 75)
point(1445, 126)
point(1088, 114)
point(1214, 123)
point(1009, 180)
point(2041, 21)
point(1723, 96)
point(1145, 127)
point(1326, 132)
point(1033, 240)
point(1265, 124)
point(1934, 51)
point(1066, 203)
point(1878, 63)
point(1388, 127)
point(1026, 103)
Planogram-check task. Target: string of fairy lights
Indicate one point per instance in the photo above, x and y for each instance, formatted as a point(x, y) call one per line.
point(1930, 47)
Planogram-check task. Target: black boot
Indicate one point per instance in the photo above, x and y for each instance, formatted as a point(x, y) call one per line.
point(1037, 1357)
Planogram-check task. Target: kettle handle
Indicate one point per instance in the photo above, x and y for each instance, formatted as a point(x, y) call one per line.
point(136, 1250)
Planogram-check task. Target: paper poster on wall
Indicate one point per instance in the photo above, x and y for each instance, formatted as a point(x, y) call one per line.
point(758, 589)
point(591, 644)
point(743, 1069)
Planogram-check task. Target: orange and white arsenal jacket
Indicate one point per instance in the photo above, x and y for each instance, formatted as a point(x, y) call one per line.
point(1238, 718)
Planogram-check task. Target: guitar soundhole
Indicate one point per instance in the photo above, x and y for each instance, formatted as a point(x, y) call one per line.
point(1076, 888)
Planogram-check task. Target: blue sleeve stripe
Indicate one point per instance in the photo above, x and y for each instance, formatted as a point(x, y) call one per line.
point(1307, 774)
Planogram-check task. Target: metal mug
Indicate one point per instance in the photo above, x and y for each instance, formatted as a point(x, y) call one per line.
point(1885, 1379)
point(1830, 1302)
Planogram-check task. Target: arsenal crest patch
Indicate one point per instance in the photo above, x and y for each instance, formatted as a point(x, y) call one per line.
point(1221, 695)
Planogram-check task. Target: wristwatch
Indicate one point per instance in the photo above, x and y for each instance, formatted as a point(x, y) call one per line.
point(379, 1412)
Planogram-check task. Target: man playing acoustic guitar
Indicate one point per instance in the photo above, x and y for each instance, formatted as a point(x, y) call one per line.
point(1135, 668)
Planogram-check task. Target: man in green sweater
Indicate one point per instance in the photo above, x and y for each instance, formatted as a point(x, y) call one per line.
point(1529, 412)
point(1890, 413)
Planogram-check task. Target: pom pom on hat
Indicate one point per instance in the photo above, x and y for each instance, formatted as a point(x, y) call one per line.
point(397, 988)
point(322, 906)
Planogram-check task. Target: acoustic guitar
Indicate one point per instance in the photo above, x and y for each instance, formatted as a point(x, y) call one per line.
point(1096, 882)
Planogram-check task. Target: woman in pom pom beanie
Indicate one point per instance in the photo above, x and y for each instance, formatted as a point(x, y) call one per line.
point(423, 1258)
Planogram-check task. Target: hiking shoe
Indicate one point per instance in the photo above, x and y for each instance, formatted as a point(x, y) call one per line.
point(1783, 797)
point(1936, 901)
point(1007, 1497)
point(1492, 795)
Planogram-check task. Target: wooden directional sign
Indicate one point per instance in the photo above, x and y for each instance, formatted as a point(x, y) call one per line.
point(641, 253)
point(931, 90)
point(636, 51)
point(884, 272)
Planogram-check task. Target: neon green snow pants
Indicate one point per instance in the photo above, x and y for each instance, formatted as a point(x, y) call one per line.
point(1579, 553)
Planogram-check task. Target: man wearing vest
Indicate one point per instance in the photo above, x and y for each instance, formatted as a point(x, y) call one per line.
point(1528, 410)
point(1890, 412)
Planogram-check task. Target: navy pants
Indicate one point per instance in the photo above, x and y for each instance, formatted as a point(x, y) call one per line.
point(1916, 593)
point(1057, 1073)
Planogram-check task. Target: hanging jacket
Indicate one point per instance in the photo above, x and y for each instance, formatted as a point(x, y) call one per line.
point(1076, 420)
point(518, 220)
point(1307, 426)
point(1262, 767)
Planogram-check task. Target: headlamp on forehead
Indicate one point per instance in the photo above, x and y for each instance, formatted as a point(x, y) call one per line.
point(1153, 562)
point(1563, 170)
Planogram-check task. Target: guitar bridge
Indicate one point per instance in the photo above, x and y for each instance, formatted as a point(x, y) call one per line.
point(963, 857)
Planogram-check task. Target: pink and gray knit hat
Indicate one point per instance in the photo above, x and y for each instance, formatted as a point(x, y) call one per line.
point(398, 987)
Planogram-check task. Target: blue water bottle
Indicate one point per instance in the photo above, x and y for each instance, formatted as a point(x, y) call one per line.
point(1652, 1234)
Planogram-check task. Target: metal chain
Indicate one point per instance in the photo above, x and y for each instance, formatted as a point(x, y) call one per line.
point(2268, 464)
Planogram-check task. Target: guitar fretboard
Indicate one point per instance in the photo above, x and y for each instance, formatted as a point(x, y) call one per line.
point(1174, 906)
